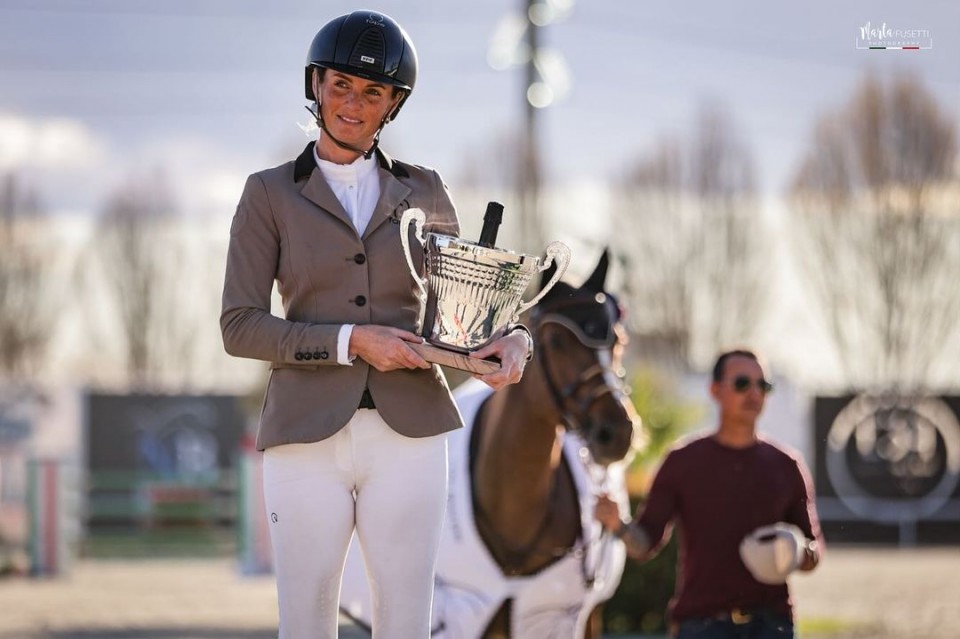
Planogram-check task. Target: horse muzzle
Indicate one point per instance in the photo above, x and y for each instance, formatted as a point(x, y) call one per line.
point(610, 442)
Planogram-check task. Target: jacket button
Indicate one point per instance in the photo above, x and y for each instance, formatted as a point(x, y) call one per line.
point(360, 300)
point(359, 258)
point(323, 355)
point(308, 356)
point(298, 356)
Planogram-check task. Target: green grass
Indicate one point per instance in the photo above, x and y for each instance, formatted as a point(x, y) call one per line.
point(162, 542)
point(809, 628)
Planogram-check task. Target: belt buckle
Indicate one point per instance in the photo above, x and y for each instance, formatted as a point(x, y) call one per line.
point(739, 617)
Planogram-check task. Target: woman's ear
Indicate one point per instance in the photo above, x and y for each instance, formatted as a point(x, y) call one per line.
point(398, 95)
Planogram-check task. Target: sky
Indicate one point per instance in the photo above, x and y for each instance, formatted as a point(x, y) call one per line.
point(95, 93)
point(208, 91)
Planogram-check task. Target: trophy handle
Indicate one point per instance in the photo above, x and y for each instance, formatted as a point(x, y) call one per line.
point(410, 216)
point(556, 252)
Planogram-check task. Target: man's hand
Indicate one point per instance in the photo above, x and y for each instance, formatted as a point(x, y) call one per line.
point(811, 555)
point(607, 512)
point(512, 351)
point(385, 347)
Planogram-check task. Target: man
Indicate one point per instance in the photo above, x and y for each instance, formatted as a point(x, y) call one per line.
point(745, 513)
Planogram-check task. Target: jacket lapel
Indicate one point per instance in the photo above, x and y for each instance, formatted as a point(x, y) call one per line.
point(392, 194)
point(319, 192)
point(316, 189)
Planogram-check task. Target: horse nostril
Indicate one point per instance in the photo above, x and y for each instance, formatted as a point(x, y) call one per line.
point(604, 436)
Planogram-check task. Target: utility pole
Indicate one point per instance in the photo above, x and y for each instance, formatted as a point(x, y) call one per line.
point(531, 237)
point(516, 42)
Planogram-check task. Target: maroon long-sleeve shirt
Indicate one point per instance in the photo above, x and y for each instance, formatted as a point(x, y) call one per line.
point(715, 496)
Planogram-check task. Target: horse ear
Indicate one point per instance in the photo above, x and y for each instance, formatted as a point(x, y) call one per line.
point(548, 274)
point(596, 279)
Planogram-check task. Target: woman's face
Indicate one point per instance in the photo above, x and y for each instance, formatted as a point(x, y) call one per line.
point(353, 107)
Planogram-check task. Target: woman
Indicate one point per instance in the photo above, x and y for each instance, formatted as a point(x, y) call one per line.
point(354, 421)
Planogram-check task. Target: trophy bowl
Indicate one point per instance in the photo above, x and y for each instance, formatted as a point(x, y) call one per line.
point(471, 293)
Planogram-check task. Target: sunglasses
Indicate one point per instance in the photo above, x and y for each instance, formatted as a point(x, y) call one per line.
point(742, 383)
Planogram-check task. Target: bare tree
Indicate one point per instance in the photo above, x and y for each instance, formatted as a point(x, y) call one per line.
point(145, 277)
point(26, 321)
point(494, 164)
point(876, 202)
point(694, 245)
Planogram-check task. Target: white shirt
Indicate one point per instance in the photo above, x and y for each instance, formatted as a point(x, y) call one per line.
point(357, 187)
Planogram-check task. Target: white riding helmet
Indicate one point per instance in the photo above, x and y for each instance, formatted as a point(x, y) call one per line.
point(772, 552)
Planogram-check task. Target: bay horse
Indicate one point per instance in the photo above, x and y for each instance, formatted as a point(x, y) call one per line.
point(521, 556)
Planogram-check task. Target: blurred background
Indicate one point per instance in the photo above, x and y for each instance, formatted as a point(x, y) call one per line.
point(784, 176)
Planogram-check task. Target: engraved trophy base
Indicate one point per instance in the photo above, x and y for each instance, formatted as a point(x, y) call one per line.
point(454, 359)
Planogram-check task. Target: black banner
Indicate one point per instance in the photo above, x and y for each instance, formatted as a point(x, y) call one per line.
point(162, 459)
point(888, 468)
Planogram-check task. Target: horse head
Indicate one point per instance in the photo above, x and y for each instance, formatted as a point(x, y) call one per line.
point(579, 338)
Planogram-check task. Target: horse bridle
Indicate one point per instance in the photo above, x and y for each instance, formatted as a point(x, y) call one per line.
point(564, 396)
point(561, 399)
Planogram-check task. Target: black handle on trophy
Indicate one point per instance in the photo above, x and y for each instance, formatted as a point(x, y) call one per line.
point(491, 225)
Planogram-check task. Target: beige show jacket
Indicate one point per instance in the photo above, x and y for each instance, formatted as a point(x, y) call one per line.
point(290, 227)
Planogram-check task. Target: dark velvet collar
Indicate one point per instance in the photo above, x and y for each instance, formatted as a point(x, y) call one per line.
point(305, 164)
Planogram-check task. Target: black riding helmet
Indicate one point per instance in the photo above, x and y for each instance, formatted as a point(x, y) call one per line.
point(366, 44)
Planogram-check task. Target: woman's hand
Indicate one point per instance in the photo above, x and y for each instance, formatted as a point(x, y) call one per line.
point(512, 351)
point(385, 347)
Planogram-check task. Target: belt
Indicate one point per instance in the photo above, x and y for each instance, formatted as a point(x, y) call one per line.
point(366, 400)
point(738, 616)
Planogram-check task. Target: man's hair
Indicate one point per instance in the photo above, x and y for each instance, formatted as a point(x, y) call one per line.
point(724, 356)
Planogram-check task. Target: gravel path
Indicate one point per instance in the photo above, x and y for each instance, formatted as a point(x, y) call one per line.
point(882, 594)
point(855, 594)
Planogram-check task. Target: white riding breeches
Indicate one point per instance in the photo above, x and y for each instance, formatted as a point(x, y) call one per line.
point(392, 489)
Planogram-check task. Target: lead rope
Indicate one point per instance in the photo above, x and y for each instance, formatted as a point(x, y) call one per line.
point(605, 539)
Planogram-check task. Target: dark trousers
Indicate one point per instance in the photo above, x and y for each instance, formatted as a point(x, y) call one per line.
point(756, 624)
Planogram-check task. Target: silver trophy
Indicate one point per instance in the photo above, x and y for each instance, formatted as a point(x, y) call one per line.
point(470, 292)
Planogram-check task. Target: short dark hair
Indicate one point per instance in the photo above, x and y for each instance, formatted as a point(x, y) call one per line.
point(724, 356)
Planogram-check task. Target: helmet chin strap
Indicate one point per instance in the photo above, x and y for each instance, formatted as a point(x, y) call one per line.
point(343, 145)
